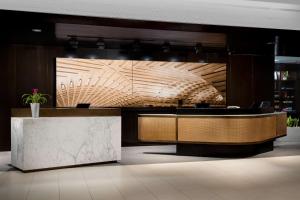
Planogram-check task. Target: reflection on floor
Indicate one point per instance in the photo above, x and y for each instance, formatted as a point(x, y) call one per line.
point(155, 155)
point(154, 172)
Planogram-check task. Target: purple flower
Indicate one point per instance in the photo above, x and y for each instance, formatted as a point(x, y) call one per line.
point(35, 91)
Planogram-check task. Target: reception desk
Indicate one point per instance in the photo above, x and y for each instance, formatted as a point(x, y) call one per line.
point(63, 141)
point(212, 131)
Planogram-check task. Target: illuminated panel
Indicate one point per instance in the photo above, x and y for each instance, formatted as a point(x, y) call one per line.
point(121, 83)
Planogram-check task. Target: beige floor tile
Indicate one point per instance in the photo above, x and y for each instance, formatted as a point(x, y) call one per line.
point(100, 184)
point(72, 185)
point(15, 185)
point(44, 186)
point(129, 187)
point(257, 178)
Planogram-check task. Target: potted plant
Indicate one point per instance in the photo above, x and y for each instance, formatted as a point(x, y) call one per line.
point(34, 99)
point(292, 122)
point(285, 75)
point(293, 130)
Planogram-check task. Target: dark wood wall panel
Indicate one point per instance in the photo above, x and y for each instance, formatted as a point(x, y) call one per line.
point(5, 103)
point(250, 79)
point(263, 72)
point(24, 67)
point(35, 67)
point(239, 80)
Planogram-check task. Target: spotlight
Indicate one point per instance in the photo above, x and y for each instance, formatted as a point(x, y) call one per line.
point(147, 58)
point(166, 47)
point(136, 46)
point(198, 48)
point(73, 42)
point(92, 56)
point(36, 30)
point(173, 59)
point(100, 44)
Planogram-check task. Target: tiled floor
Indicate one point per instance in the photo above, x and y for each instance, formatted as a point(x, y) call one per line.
point(151, 175)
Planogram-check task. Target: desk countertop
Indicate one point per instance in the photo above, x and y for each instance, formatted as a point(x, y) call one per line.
point(67, 112)
point(209, 115)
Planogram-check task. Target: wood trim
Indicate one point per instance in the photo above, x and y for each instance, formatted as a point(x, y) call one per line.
point(238, 116)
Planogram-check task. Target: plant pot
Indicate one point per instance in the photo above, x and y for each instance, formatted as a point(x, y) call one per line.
point(35, 110)
point(293, 135)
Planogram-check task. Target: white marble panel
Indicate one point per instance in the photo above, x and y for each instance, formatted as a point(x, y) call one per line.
point(49, 142)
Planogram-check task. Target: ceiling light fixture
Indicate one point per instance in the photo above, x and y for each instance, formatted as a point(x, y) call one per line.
point(100, 44)
point(36, 30)
point(198, 48)
point(166, 47)
point(73, 42)
point(136, 46)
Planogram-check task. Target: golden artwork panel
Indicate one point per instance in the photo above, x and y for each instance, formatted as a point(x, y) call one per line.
point(130, 83)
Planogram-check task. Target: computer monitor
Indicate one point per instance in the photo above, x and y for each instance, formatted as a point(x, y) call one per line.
point(83, 105)
point(265, 104)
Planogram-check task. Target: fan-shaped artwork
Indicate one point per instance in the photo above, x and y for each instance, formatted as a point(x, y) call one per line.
point(125, 83)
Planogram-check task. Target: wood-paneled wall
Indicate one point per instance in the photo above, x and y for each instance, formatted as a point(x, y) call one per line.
point(32, 63)
point(28, 66)
point(250, 79)
point(24, 67)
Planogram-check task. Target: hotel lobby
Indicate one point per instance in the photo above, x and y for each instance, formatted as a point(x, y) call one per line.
point(130, 100)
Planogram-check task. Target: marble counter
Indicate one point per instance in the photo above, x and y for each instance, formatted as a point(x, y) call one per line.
point(51, 142)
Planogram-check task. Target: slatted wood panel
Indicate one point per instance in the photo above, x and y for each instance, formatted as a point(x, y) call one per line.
point(157, 129)
point(117, 83)
point(226, 130)
point(281, 124)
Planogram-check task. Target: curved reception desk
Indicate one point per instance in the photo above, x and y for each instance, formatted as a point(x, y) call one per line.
point(65, 137)
point(232, 135)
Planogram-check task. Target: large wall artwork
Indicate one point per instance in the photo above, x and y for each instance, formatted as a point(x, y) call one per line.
point(130, 83)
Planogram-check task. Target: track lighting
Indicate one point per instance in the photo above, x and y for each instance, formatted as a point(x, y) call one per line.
point(136, 46)
point(100, 44)
point(166, 47)
point(198, 48)
point(73, 42)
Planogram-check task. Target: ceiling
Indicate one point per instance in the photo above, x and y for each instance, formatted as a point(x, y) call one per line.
point(119, 83)
point(276, 14)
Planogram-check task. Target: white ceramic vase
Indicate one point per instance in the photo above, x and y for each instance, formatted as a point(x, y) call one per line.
point(35, 110)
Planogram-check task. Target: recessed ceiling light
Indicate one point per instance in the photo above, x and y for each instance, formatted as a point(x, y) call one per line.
point(36, 30)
